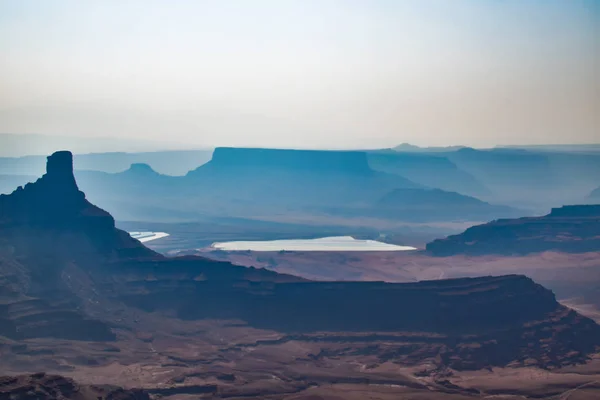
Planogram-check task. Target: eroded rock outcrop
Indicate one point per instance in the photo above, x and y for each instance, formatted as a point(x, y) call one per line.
point(571, 229)
point(46, 228)
point(55, 204)
point(354, 162)
point(40, 386)
point(67, 272)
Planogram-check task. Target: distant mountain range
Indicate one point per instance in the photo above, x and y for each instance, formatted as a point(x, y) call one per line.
point(584, 148)
point(266, 182)
point(432, 170)
point(571, 229)
point(437, 204)
point(342, 183)
point(67, 273)
point(531, 179)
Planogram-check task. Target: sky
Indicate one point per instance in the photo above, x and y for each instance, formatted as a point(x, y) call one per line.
point(303, 73)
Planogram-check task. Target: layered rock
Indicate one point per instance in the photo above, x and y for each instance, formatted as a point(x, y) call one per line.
point(66, 275)
point(431, 170)
point(572, 229)
point(308, 160)
point(438, 205)
point(47, 227)
point(55, 203)
point(40, 386)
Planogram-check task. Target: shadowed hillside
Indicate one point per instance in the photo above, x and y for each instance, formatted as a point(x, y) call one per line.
point(435, 171)
point(541, 179)
point(438, 205)
point(40, 386)
point(572, 229)
point(305, 184)
point(68, 273)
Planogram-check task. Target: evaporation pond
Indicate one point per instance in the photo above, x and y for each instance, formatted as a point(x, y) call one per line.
point(337, 243)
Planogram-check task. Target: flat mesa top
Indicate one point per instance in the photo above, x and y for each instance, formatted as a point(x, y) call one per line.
point(337, 243)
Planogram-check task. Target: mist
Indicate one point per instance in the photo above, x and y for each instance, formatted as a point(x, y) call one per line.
point(303, 74)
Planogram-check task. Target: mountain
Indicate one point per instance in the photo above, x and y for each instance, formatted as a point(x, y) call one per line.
point(138, 193)
point(430, 170)
point(527, 178)
point(572, 229)
point(594, 194)
point(33, 220)
point(534, 178)
point(67, 273)
point(81, 297)
point(244, 183)
point(302, 178)
point(438, 205)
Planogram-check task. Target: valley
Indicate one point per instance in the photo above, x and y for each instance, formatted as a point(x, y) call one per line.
point(84, 300)
point(299, 200)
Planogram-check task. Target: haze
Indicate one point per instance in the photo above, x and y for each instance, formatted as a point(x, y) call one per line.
point(319, 74)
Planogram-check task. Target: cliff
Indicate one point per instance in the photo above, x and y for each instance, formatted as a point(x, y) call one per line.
point(437, 205)
point(244, 183)
point(53, 200)
point(55, 203)
point(66, 276)
point(40, 386)
point(434, 171)
point(257, 181)
point(353, 162)
point(573, 229)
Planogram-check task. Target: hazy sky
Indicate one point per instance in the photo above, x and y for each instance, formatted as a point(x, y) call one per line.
point(303, 73)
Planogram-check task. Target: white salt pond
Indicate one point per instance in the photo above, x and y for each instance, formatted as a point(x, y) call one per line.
point(147, 236)
point(337, 243)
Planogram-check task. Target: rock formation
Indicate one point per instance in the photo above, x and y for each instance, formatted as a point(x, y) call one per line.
point(40, 386)
point(68, 273)
point(573, 229)
point(308, 160)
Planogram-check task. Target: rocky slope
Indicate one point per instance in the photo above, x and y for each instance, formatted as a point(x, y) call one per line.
point(438, 205)
point(68, 274)
point(427, 169)
point(300, 179)
point(263, 183)
point(573, 229)
point(53, 387)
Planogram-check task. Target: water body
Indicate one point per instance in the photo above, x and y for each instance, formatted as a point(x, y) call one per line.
point(337, 243)
point(147, 236)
